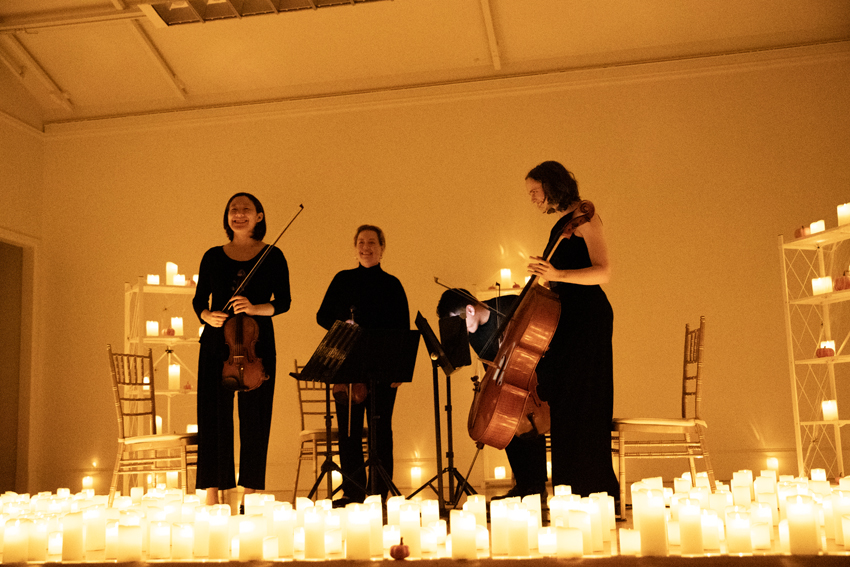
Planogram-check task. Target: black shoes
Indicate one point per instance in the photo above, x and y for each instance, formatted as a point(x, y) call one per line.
point(524, 490)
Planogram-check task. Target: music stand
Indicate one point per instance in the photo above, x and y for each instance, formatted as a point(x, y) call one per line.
point(451, 329)
point(324, 366)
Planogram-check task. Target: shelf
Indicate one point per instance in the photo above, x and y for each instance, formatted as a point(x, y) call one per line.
point(820, 239)
point(822, 299)
point(825, 360)
point(838, 422)
point(172, 289)
point(168, 341)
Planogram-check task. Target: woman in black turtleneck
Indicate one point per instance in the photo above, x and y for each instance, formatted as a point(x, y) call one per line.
point(373, 299)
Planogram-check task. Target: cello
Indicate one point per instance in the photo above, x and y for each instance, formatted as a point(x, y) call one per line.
point(243, 370)
point(505, 402)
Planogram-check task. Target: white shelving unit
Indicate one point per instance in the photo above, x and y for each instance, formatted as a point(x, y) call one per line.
point(144, 302)
point(809, 320)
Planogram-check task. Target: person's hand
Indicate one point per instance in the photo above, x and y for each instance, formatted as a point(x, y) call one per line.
point(542, 268)
point(214, 318)
point(241, 304)
point(396, 384)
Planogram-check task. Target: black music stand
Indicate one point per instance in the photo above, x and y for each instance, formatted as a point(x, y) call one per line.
point(457, 343)
point(324, 366)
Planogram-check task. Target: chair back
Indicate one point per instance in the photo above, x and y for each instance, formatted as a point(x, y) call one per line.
point(135, 396)
point(692, 370)
point(311, 401)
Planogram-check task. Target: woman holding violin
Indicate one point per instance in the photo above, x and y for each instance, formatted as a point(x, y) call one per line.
point(576, 373)
point(266, 294)
point(373, 299)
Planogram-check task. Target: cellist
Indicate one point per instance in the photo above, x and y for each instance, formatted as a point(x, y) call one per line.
point(576, 373)
point(222, 270)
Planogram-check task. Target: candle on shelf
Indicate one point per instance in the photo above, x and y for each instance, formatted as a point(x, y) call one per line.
point(505, 278)
point(173, 377)
point(152, 328)
point(821, 285)
point(153, 279)
point(415, 476)
point(773, 463)
point(817, 226)
point(843, 214)
point(499, 473)
point(195, 278)
point(88, 482)
point(177, 325)
point(170, 272)
point(179, 279)
point(830, 410)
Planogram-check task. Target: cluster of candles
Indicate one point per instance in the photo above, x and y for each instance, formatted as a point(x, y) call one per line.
point(824, 285)
point(743, 518)
point(171, 276)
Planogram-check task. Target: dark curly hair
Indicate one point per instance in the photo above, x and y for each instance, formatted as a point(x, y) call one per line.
point(559, 185)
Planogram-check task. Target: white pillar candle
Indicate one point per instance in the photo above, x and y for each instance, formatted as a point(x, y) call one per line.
point(177, 325)
point(410, 527)
point(745, 477)
point(773, 464)
point(173, 377)
point(518, 531)
point(170, 272)
point(711, 527)
point(357, 540)
point(284, 528)
point(463, 535)
point(738, 538)
point(393, 503)
point(54, 544)
point(499, 473)
point(547, 541)
point(270, 548)
point(843, 214)
point(251, 534)
point(182, 541)
point(477, 504)
point(179, 279)
point(845, 525)
point(629, 541)
point(94, 522)
point(784, 546)
point(16, 540)
point(499, 526)
point(505, 278)
point(580, 520)
point(314, 534)
point(415, 476)
point(760, 533)
point(391, 536)
point(802, 526)
point(430, 510)
point(219, 533)
point(160, 540)
point(72, 536)
point(129, 543)
point(152, 328)
point(690, 527)
point(653, 525)
point(840, 507)
point(153, 279)
point(821, 285)
point(830, 411)
point(376, 522)
point(201, 539)
point(740, 493)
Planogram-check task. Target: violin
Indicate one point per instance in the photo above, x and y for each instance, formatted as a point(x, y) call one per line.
point(243, 370)
point(505, 402)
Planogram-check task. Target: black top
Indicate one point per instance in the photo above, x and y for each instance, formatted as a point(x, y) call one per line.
point(219, 276)
point(479, 339)
point(377, 297)
point(570, 254)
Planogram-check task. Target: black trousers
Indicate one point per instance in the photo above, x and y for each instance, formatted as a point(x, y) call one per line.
point(216, 464)
point(528, 461)
point(350, 441)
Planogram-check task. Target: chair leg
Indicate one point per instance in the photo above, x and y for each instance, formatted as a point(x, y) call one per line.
point(114, 485)
point(621, 453)
point(297, 474)
point(705, 458)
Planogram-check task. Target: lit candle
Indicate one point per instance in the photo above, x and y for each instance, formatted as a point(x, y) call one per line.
point(506, 278)
point(16, 540)
point(711, 526)
point(314, 534)
point(477, 504)
point(173, 377)
point(517, 531)
point(270, 548)
point(129, 543)
point(827, 348)
point(177, 325)
point(653, 525)
point(152, 328)
point(580, 520)
point(629, 542)
point(393, 503)
point(499, 473)
point(415, 476)
point(284, 528)
point(738, 538)
point(54, 544)
point(802, 526)
point(153, 279)
point(821, 285)
point(690, 527)
point(830, 410)
point(391, 536)
point(159, 546)
point(94, 522)
point(499, 526)
point(179, 279)
point(773, 463)
point(547, 541)
point(72, 536)
point(357, 541)
point(410, 528)
point(463, 535)
point(183, 541)
point(170, 272)
point(201, 535)
point(843, 214)
point(817, 226)
point(251, 538)
point(430, 510)
point(219, 534)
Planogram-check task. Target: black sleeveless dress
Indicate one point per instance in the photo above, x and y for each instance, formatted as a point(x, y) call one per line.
point(576, 376)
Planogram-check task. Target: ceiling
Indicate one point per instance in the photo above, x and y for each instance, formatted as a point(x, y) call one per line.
point(73, 60)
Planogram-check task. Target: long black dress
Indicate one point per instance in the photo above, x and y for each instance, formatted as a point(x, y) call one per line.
point(218, 277)
point(576, 377)
point(378, 302)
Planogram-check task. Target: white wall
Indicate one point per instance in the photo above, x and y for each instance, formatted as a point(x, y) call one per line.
point(694, 171)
